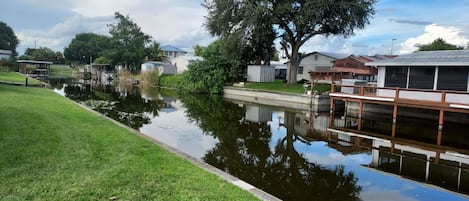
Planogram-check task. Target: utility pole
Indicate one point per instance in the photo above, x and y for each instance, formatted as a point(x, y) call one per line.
point(392, 45)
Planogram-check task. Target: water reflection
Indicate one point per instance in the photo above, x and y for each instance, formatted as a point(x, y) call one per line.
point(294, 155)
point(246, 150)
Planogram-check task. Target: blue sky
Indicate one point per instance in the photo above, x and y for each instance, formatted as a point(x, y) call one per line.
point(53, 23)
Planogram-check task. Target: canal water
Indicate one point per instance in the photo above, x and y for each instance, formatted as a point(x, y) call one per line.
point(291, 154)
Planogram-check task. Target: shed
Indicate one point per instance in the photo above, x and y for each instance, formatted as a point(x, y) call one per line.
point(34, 68)
point(162, 67)
point(261, 73)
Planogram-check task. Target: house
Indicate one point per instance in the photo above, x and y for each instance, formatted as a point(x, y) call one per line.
point(317, 62)
point(172, 52)
point(355, 65)
point(34, 68)
point(5, 54)
point(436, 81)
point(182, 61)
point(162, 67)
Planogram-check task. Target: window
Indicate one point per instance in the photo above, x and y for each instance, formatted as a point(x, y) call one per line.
point(421, 77)
point(396, 77)
point(452, 78)
point(300, 70)
point(315, 57)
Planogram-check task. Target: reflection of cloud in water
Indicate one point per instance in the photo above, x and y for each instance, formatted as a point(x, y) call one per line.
point(175, 130)
point(378, 194)
point(337, 158)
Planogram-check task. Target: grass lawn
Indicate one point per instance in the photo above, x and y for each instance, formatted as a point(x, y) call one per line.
point(279, 86)
point(52, 149)
point(61, 72)
point(17, 78)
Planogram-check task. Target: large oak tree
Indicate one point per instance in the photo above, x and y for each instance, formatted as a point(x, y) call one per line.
point(295, 21)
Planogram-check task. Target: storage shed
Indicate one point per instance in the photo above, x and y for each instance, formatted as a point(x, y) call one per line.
point(261, 73)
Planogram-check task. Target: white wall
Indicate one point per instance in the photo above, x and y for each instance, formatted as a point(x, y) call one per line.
point(310, 64)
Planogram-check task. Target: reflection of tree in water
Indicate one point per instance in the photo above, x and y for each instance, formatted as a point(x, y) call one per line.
point(130, 109)
point(243, 151)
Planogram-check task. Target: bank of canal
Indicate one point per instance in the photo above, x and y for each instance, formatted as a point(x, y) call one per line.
point(290, 153)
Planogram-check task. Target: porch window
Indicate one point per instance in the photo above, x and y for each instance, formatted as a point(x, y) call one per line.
point(300, 70)
point(421, 77)
point(396, 77)
point(452, 78)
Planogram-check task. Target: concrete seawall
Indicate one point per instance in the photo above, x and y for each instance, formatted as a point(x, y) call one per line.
point(319, 103)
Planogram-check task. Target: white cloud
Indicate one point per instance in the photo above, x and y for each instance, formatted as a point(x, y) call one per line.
point(451, 34)
point(177, 22)
point(61, 34)
point(378, 194)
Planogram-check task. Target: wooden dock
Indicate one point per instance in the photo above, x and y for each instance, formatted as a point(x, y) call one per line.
point(442, 101)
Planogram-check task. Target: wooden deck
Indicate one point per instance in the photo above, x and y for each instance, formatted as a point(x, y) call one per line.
point(442, 101)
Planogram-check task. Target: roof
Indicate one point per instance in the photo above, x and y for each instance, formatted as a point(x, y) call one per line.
point(33, 62)
point(427, 58)
point(7, 52)
point(332, 55)
point(170, 48)
point(191, 57)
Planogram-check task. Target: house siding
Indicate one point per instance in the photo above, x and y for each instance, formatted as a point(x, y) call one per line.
point(310, 64)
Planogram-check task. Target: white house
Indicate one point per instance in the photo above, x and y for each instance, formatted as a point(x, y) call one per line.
point(5, 54)
point(172, 52)
point(182, 61)
point(317, 61)
point(162, 67)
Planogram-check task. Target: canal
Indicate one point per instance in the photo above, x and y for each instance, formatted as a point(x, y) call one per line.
point(291, 154)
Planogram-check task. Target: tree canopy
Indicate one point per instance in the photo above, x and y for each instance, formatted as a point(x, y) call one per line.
point(439, 44)
point(294, 22)
point(8, 39)
point(153, 52)
point(42, 54)
point(128, 42)
point(87, 46)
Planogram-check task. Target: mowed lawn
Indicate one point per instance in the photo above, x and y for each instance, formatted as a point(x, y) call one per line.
point(52, 149)
point(17, 78)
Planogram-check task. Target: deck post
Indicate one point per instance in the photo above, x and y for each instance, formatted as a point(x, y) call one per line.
point(360, 115)
point(394, 113)
point(393, 134)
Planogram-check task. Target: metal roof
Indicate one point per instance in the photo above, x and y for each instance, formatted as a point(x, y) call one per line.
point(427, 58)
point(332, 55)
point(170, 48)
point(34, 62)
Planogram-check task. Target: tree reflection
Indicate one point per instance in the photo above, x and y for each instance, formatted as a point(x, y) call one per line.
point(127, 107)
point(243, 151)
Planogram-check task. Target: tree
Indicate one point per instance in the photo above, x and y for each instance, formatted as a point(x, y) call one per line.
point(295, 21)
point(198, 50)
point(86, 46)
point(439, 44)
point(8, 39)
point(128, 42)
point(40, 54)
point(153, 52)
point(211, 74)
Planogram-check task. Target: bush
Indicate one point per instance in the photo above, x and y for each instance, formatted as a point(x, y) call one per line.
point(150, 78)
point(171, 81)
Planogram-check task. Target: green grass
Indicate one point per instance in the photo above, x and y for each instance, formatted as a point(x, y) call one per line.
point(280, 86)
point(172, 81)
point(61, 72)
point(52, 149)
point(17, 78)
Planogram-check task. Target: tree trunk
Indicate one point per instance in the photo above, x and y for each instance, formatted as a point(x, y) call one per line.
point(293, 65)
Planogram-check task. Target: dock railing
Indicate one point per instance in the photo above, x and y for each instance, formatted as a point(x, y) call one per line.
point(452, 99)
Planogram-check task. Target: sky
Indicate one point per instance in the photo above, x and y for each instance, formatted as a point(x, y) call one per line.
point(398, 26)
